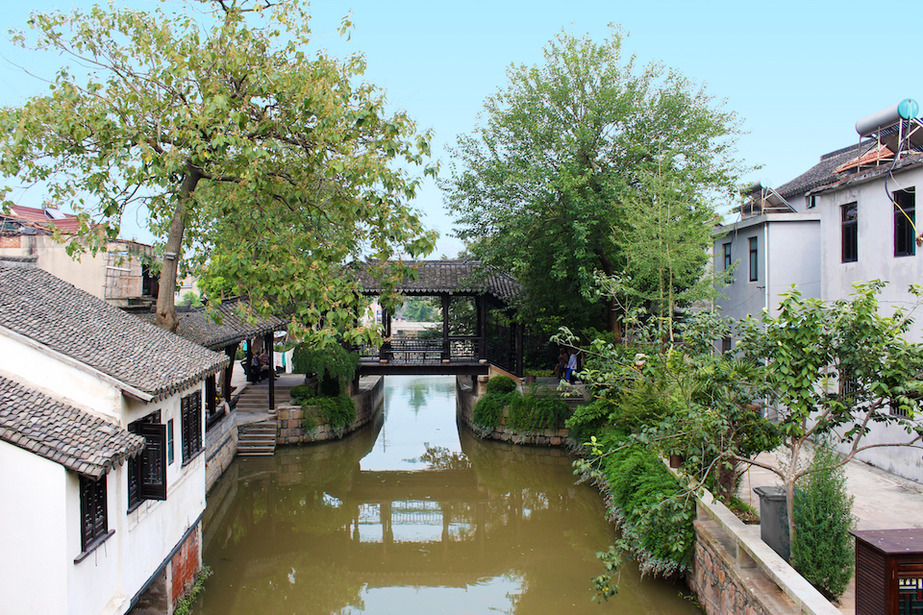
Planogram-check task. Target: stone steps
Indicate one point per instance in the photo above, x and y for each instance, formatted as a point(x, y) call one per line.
point(257, 439)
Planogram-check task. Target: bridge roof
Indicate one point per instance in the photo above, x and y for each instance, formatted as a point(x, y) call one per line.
point(453, 277)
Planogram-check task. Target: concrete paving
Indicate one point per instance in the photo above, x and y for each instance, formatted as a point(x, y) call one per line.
point(881, 501)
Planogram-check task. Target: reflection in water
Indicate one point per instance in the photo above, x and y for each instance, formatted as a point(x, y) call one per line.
point(412, 516)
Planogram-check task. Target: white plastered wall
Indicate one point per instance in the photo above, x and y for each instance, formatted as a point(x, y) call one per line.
point(34, 566)
point(59, 377)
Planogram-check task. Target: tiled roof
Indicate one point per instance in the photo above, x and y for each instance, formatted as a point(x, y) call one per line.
point(51, 429)
point(66, 223)
point(51, 312)
point(452, 277)
point(839, 166)
point(197, 326)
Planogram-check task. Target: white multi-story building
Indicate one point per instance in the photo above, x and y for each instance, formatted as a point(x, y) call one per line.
point(101, 451)
point(850, 218)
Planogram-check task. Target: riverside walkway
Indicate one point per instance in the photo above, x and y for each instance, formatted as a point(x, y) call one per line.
point(882, 501)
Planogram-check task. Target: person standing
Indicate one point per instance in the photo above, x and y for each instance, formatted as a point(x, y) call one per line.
point(571, 366)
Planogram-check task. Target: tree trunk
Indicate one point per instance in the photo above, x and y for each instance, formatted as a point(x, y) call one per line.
point(166, 306)
point(614, 323)
point(790, 509)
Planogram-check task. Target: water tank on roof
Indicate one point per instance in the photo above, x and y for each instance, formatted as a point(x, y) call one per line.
point(871, 124)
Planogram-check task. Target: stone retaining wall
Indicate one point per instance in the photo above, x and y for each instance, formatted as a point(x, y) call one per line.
point(735, 572)
point(220, 448)
point(466, 397)
point(368, 400)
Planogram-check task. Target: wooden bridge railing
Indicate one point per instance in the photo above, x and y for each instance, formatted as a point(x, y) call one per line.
point(422, 351)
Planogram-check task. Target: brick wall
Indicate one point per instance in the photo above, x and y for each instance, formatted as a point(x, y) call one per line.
point(184, 566)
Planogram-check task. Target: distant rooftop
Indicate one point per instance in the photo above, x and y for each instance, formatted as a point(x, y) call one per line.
point(236, 324)
point(43, 219)
point(454, 277)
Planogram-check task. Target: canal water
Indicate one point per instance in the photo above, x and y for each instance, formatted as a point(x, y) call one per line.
point(413, 515)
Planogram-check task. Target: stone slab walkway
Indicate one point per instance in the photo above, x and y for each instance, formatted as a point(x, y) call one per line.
point(882, 501)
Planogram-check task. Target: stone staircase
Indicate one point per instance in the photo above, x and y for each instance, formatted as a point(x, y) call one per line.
point(256, 429)
point(257, 439)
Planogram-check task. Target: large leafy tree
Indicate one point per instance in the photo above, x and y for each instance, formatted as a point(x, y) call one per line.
point(569, 152)
point(264, 165)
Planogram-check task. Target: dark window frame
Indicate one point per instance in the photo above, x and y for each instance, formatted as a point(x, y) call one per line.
point(94, 517)
point(904, 202)
point(849, 232)
point(726, 344)
point(753, 243)
point(147, 471)
point(727, 256)
point(191, 427)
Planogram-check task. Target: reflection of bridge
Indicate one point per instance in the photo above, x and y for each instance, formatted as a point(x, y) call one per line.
point(476, 330)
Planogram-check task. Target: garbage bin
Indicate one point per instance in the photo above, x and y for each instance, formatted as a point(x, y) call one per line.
point(774, 519)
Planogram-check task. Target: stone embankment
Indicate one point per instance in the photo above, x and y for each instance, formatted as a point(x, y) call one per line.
point(466, 396)
point(368, 397)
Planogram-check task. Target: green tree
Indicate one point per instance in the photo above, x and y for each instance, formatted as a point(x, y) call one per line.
point(834, 370)
point(271, 166)
point(568, 151)
point(823, 548)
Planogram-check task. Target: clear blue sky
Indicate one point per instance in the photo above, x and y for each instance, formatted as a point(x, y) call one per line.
point(799, 73)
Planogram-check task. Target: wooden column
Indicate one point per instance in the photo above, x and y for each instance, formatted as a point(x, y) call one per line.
point(446, 350)
point(231, 351)
point(518, 349)
point(480, 307)
point(385, 351)
point(267, 346)
point(248, 369)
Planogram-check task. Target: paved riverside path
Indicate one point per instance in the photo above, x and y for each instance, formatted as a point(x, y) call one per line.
point(882, 501)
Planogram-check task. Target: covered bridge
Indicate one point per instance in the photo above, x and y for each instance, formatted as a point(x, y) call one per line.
point(477, 329)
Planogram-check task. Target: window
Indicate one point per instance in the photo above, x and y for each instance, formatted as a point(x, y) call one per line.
point(849, 243)
point(170, 441)
point(904, 223)
point(754, 261)
point(726, 344)
point(727, 256)
point(191, 406)
point(94, 527)
point(147, 471)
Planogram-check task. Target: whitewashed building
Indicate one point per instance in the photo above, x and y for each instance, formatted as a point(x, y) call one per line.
point(849, 218)
point(101, 452)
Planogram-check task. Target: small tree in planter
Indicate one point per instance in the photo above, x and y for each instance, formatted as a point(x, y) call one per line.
point(835, 370)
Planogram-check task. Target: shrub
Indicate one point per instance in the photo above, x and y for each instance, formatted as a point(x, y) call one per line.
point(500, 384)
point(822, 548)
point(653, 511)
point(533, 412)
point(489, 409)
point(301, 392)
point(590, 419)
point(337, 411)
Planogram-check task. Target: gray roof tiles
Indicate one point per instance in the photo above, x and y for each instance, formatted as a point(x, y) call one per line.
point(452, 277)
point(55, 314)
point(79, 441)
point(197, 326)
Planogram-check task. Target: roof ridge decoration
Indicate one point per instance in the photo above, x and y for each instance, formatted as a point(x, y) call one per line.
point(136, 355)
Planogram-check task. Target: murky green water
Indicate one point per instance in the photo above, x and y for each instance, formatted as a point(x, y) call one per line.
point(412, 516)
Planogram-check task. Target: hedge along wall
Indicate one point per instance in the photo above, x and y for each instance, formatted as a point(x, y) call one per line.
point(369, 400)
point(466, 399)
